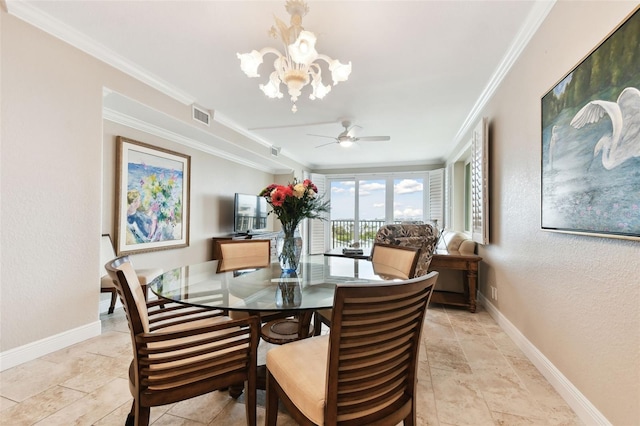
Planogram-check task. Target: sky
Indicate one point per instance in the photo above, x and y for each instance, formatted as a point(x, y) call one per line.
point(408, 201)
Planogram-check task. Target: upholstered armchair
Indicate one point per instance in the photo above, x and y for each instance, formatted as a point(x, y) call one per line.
point(421, 236)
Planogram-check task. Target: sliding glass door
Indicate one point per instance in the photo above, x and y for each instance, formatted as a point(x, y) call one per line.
point(408, 200)
point(343, 213)
point(372, 211)
point(360, 205)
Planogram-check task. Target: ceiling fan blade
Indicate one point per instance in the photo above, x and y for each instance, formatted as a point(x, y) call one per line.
point(325, 144)
point(286, 126)
point(321, 136)
point(374, 138)
point(349, 130)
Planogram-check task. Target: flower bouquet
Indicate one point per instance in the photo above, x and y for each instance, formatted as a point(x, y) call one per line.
point(291, 204)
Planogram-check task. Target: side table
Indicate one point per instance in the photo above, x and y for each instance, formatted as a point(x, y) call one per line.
point(443, 259)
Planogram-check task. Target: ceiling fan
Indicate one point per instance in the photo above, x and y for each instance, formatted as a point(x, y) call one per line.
point(346, 138)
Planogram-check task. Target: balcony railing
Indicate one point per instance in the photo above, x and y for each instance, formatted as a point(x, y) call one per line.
point(343, 232)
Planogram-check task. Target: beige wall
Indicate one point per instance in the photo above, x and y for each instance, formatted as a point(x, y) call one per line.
point(50, 184)
point(575, 298)
point(57, 180)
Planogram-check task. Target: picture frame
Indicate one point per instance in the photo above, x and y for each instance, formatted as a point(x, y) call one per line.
point(590, 141)
point(152, 197)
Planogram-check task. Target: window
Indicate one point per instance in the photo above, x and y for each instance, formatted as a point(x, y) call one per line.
point(343, 212)
point(361, 204)
point(408, 199)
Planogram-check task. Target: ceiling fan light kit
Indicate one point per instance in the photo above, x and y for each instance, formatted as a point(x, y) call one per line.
point(298, 66)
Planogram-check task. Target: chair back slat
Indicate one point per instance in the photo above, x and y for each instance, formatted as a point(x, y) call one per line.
point(244, 254)
point(131, 295)
point(394, 261)
point(373, 349)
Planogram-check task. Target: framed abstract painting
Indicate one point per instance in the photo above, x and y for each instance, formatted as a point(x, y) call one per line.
point(591, 141)
point(152, 197)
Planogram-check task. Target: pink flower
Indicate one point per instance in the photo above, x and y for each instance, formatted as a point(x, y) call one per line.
point(277, 197)
point(308, 184)
point(288, 191)
point(268, 190)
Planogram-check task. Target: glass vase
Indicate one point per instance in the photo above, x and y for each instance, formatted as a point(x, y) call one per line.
point(289, 248)
point(288, 293)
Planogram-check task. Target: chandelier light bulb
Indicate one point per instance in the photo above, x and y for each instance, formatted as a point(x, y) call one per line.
point(300, 65)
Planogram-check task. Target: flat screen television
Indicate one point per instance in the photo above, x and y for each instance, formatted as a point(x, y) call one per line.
point(249, 214)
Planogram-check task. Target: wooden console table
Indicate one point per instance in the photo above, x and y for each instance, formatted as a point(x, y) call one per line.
point(443, 259)
point(469, 263)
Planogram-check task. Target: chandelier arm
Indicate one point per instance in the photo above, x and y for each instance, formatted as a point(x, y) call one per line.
point(325, 58)
point(273, 50)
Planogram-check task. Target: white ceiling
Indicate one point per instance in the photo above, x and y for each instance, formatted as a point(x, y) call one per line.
point(421, 69)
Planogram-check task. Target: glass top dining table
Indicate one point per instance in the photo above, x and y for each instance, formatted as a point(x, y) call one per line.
point(238, 286)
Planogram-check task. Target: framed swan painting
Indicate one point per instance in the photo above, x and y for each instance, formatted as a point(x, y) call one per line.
point(591, 141)
point(152, 198)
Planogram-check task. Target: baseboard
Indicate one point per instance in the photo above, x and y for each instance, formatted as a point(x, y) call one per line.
point(583, 408)
point(31, 351)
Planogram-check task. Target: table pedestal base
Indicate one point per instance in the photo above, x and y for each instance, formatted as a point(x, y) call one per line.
point(286, 330)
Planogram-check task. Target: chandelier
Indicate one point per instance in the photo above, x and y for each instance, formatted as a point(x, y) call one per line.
point(298, 66)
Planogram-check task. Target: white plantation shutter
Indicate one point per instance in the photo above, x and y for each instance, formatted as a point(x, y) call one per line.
point(480, 184)
point(436, 196)
point(318, 228)
point(448, 220)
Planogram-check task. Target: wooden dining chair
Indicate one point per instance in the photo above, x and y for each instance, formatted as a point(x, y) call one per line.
point(107, 252)
point(389, 262)
point(364, 371)
point(247, 254)
point(394, 262)
point(180, 352)
point(244, 254)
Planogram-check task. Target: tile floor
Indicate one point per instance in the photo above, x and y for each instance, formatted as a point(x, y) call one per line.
point(470, 373)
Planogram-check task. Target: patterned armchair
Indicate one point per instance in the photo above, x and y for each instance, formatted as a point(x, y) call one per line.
point(422, 236)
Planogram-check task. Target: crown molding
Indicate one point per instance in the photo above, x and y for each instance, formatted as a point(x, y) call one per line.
point(143, 126)
point(62, 31)
point(227, 122)
point(537, 15)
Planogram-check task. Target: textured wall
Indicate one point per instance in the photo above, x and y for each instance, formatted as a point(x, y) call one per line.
point(50, 165)
point(576, 298)
point(57, 181)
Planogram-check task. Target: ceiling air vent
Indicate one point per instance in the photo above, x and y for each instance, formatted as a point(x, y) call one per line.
point(275, 151)
point(201, 115)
